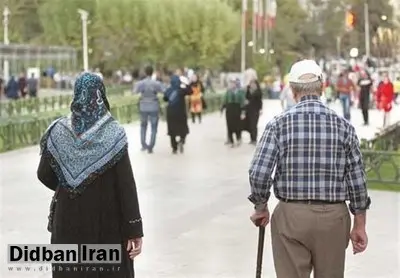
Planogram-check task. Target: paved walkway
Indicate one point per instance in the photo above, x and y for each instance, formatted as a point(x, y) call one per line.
point(196, 216)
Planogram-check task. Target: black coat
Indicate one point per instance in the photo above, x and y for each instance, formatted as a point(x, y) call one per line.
point(177, 114)
point(104, 213)
point(253, 107)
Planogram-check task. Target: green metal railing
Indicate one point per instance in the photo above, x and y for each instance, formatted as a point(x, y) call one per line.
point(26, 131)
point(23, 107)
point(382, 167)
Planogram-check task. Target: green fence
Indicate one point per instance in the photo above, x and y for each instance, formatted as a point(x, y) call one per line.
point(383, 168)
point(26, 131)
point(29, 106)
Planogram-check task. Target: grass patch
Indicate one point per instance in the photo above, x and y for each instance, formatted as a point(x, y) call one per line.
point(383, 170)
point(392, 187)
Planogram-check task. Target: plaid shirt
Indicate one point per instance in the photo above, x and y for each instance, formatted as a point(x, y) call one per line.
point(316, 154)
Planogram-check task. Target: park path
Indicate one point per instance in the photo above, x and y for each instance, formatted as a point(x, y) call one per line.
point(196, 215)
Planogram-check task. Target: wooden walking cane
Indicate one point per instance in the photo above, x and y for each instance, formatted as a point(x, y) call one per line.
point(260, 251)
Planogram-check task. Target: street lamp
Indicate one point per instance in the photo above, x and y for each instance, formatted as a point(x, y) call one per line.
point(366, 27)
point(354, 53)
point(6, 14)
point(384, 17)
point(84, 17)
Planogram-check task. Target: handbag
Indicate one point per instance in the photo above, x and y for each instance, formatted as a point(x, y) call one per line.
point(52, 210)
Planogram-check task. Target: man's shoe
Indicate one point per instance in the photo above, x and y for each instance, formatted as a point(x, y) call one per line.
point(181, 149)
point(150, 150)
point(174, 151)
point(143, 149)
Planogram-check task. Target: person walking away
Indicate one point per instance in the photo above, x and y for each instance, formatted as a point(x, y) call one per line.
point(286, 97)
point(85, 160)
point(316, 157)
point(208, 80)
point(276, 87)
point(32, 84)
point(365, 87)
point(385, 95)
point(344, 88)
point(196, 99)
point(12, 89)
point(177, 124)
point(149, 108)
point(22, 82)
point(233, 103)
point(253, 109)
point(396, 85)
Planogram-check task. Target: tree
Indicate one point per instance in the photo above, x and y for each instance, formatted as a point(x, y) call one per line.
point(174, 32)
point(287, 36)
point(24, 24)
point(61, 22)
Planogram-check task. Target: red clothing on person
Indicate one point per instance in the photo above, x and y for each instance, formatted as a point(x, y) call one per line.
point(385, 95)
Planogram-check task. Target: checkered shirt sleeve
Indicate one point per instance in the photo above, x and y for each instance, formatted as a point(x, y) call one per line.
point(263, 164)
point(355, 176)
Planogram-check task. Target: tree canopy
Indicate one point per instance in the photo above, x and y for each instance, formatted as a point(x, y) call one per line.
point(122, 32)
point(204, 33)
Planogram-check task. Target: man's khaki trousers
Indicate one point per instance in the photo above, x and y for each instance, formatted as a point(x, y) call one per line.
point(309, 237)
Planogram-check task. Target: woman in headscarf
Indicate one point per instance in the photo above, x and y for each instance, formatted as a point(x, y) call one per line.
point(176, 112)
point(253, 108)
point(233, 103)
point(84, 159)
point(384, 97)
point(12, 88)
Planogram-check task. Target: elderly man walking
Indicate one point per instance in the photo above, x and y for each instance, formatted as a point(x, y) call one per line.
point(316, 157)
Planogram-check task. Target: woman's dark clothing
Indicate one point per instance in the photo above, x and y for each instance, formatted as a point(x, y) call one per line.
point(22, 82)
point(12, 88)
point(176, 109)
point(175, 143)
point(85, 160)
point(105, 213)
point(233, 103)
point(253, 108)
point(365, 85)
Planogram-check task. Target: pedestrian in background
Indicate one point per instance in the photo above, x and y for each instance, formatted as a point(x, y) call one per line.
point(196, 99)
point(233, 103)
point(177, 124)
point(32, 85)
point(287, 98)
point(365, 89)
point(85, 160)
point(316, 157)
point(385, 96)
point(345, 87)
point(149, 108)
point(253, 108)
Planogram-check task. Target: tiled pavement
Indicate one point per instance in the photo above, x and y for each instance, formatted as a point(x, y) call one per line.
point(196, 216)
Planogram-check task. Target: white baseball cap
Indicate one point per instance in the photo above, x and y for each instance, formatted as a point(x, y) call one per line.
point(302, 68)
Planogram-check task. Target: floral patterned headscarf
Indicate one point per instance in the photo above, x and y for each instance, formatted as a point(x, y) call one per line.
point(89, 104)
